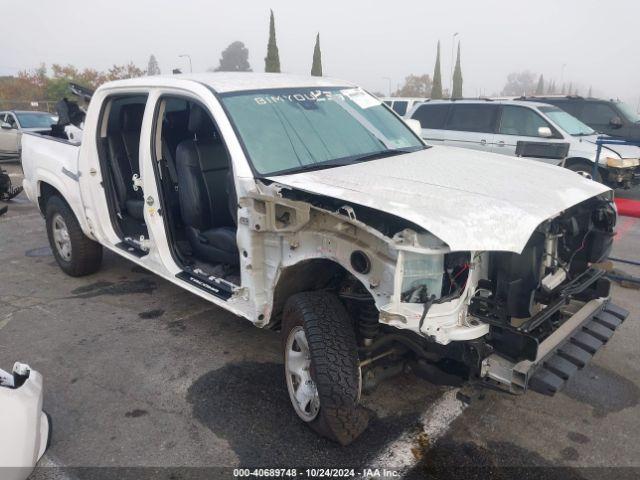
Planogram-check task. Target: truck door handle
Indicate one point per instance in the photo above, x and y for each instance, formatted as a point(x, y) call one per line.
point(501, 143)
point(483, 142)
point(92, 172)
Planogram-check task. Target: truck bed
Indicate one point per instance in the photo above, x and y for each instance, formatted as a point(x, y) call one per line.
point(53, 162)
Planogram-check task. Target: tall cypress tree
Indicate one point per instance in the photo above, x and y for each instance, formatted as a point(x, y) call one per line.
point(457, 78)
point(540, 87)
point(272, 60)
point(436, 89)
point(316, 67)
point(152, 67)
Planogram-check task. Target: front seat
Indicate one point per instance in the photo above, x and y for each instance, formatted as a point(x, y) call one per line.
point(202, 165)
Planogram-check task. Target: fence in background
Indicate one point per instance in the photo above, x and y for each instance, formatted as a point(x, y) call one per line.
point(35, 105)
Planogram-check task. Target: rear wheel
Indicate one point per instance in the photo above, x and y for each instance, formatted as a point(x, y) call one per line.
point(322, 366)
point(76, 254)
point(585, 169)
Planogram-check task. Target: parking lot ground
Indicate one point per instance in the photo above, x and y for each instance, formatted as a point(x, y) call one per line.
point(141, 373)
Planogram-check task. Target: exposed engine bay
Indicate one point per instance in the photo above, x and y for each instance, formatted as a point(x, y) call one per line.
point(523, 298)
point(523, 295)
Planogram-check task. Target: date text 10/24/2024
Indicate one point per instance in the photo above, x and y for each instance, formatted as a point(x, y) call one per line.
point(312, 473)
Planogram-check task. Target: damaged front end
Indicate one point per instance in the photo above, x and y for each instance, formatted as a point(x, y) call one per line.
point(548, 307)
point(514, 320)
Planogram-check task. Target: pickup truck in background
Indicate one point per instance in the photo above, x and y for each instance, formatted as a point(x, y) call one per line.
point(305, 205)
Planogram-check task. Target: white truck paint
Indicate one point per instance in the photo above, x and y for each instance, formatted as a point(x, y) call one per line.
point(405, 215)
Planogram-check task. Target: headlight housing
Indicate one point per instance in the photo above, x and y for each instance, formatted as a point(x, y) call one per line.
point(622, 162)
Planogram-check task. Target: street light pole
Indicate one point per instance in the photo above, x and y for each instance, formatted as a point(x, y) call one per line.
point(453, 44)
point(189, 57)
point(389, 85)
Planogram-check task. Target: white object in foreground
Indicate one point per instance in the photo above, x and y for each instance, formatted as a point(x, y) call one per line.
point(25, 431)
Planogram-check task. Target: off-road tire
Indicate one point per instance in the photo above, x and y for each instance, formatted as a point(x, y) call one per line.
point(86, 255)
point(585, 167)
point(334, 363)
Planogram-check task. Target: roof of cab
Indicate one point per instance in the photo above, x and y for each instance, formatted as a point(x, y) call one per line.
point(223, 82)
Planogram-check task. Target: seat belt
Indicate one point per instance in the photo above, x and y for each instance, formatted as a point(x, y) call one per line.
point(171, 166)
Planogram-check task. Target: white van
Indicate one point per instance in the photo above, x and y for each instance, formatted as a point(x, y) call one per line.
point(505, 126)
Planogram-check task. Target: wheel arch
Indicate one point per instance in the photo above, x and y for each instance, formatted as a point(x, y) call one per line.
point(46, 189)
point(309, 275)
point(576, 160)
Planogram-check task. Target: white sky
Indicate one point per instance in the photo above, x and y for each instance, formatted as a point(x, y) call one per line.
point(362, 41)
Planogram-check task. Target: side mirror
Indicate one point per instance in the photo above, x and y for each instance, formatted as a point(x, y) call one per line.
point(5, 126)
point(545, 132)
point(414, 125)
point(616, 122)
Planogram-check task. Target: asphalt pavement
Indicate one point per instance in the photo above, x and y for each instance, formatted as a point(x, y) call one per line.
point(139, 373)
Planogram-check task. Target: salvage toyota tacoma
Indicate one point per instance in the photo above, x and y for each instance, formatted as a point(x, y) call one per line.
point(306, 205)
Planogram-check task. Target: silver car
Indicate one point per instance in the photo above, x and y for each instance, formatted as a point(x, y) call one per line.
point(527, 129)
point(14, 122)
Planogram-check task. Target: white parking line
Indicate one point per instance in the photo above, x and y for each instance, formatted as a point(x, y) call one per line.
point(405, 452)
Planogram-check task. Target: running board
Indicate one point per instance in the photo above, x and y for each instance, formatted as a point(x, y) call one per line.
point(212, 285)
point(562, 354)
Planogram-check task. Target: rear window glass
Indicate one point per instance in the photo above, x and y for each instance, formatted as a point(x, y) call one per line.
point(472, 118)
point(400, 107)
point(431, 116)
point(598, 113)
point(571, 107)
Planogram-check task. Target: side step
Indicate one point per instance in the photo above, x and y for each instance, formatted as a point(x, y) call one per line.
point(550, 377)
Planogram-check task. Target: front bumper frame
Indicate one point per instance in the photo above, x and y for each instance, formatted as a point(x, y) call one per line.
point(561, 355)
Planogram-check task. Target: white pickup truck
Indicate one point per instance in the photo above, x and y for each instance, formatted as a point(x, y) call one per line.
point(306, 205)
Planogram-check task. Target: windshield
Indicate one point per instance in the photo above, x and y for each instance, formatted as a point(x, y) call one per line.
point(628, 112)
point(567, 122)
point(291, 130)
point(35, 120)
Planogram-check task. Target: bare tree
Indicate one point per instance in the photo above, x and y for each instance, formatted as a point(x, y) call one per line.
point(415, 86)
point(520, 83)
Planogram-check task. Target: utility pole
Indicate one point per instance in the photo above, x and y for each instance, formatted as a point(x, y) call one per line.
point(389, 85)
point(189, 57)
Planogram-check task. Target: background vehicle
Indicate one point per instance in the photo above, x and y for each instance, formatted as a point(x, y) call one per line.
point(14, 123)
point(402, 105)
point(612, 117)
point(504, 126)
point(270, 196)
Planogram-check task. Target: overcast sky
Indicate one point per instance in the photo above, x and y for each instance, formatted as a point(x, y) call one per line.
point(362, 41)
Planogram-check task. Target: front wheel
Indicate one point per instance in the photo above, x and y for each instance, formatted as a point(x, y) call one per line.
point(322, 366)
point(76, 254)
point(585, 169)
